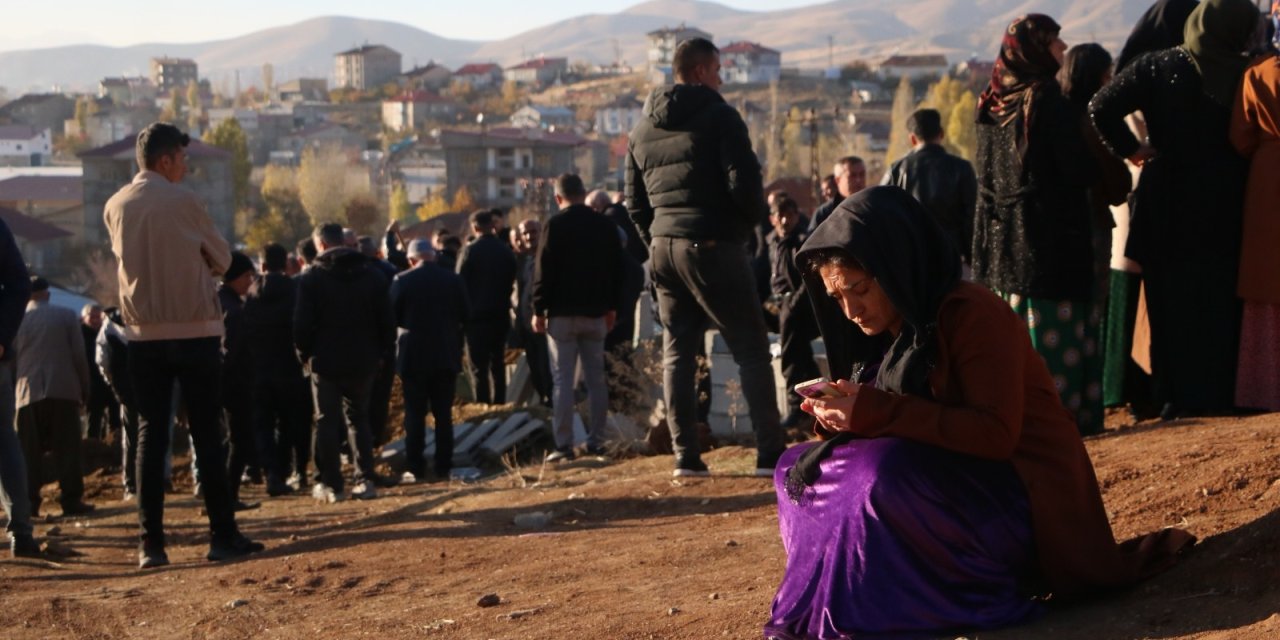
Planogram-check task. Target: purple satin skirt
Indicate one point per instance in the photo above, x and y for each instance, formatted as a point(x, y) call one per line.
point(899, 539)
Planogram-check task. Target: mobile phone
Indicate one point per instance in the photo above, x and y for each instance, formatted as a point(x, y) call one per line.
point(818, 388)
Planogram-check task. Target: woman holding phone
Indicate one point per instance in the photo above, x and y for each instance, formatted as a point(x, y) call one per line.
point(952, 491)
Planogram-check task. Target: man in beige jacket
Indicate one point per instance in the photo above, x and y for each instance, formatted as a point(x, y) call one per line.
point(52, 386)
point(169, 254)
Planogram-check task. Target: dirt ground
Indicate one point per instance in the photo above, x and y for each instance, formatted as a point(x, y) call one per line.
point(629, 553)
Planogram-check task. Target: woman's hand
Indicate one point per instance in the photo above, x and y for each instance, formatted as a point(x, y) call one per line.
point(834, 414)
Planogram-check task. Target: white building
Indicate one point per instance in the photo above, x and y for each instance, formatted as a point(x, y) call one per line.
point(535, 116)
point(748, 62)
point(478, 74)
point(620, 116)
point(662, 50)
point(24, 146)
point(410, 111)
point(539, 71)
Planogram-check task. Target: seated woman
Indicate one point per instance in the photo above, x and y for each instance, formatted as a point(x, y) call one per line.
point(952, 491)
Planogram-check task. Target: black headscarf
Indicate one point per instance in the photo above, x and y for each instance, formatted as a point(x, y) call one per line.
point(1218, 35)
point(916, 263)
point(1161, 27)
point(1024, 68)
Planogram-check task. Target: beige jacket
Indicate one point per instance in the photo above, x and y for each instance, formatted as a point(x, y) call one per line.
point(51, 362)
point(169, 254)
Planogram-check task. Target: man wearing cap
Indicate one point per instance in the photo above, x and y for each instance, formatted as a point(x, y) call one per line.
point(169, 254)
point(431, 309)
point(237, 373)
point(52, 386)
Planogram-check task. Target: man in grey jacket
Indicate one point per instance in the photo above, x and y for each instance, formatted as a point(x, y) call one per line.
point(52, 387)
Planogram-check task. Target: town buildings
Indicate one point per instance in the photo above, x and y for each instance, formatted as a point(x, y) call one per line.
point(662, 50)
point(366, 67)
point(748, 62)
point(168, 74)
point(24, 146)
point(539, 71)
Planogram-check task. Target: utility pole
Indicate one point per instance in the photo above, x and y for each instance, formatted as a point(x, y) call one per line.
point(831, 51)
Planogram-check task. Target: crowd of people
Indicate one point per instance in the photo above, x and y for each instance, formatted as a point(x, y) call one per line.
point(976, 317)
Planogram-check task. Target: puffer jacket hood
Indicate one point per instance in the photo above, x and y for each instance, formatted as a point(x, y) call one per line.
point(673, 106)
point(342, 261)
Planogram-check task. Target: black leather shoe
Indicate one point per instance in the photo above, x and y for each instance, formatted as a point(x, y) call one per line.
point(152, 558)
point(232, 547)
point(24, 547)
point(383, 482)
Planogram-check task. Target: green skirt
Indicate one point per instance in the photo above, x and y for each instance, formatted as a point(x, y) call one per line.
point(1065, 334)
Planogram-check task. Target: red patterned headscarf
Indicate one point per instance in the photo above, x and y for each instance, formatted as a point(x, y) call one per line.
point(1024, 66)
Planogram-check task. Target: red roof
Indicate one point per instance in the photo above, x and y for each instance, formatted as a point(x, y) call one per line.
point(477, 69)
point(539, 63)
point(30, 229)
point(42, 188)
point(19, 132)
point(746, 47)
point(129, 144)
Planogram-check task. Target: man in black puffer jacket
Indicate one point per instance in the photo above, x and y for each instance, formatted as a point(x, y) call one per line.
point(343, 330)
point(280, 395)
point(694, 191)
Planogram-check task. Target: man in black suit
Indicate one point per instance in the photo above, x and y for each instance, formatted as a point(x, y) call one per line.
point(430, 309)
point(488, 268)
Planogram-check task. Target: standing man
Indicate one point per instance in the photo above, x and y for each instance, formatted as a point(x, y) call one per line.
point(103, 409)
point(851, 177)
point(280, 397)
point(169, 254)
point(694, 191)
point(430, 308)
point(53, 385)
point(943, 183)
point(576, 289)
point(15, 290)
point(343, 330)
point(536, 353)
point(488, 268)
point(796, 324)
point(237, 375)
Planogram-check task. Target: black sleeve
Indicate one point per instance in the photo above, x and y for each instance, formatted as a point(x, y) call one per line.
point(968, 209)
point(1073, 162)
point(619, 276)
point(17, 289)
point(1119, 98)
point(544, 269)
point(386, 322)
point(637, 196)
point(742, 168)
point(304, 328)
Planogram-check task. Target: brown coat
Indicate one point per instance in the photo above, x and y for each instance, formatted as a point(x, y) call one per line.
point(1255, 133)
point(994, 399)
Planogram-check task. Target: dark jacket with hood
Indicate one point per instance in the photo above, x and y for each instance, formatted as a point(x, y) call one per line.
point(691, 172)
point(268, 326)
point(342, 323)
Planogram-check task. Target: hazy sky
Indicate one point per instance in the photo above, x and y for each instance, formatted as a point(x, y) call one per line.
point(51, 23)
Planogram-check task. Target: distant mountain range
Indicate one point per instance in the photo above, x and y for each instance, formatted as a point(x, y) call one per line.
point(810, 36)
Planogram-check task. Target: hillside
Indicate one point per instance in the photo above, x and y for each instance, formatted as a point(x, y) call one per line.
point(857, 28)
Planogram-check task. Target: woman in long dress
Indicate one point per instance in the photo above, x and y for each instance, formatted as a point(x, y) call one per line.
point(1186, 211)
point(1255, 133)
point(1032, 238)
point(952, 491)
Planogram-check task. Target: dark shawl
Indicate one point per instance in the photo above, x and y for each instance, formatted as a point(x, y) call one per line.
point(913, 259)
point(1161, 27)
point(1218, 35)
point(1024, 66)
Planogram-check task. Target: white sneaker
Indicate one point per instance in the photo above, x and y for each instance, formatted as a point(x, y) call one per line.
point(364, 490)
point(322, 493)
point(408, 478)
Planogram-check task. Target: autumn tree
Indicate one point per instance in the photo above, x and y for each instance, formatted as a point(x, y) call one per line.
point(86, 107)
point(462, 200)
point(955, 104)
point(433, 206)
point(361, 213)
point(322, 180)
point(904, 104)
point(229, 137)
point(282, 218)
point(399, 207)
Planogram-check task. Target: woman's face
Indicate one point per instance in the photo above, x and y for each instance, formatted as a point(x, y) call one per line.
point(861, 299)
point(1058, 49)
